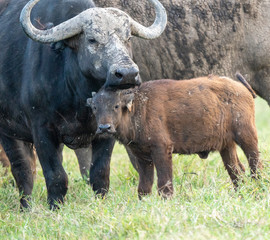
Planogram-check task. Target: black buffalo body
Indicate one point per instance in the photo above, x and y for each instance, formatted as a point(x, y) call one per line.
point(44, 87)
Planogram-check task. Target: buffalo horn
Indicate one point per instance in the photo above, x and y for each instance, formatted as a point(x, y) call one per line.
point(156, 29)
point(75, 25)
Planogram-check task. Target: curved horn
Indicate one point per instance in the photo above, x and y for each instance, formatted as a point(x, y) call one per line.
point(156, 29)
point(75, 25)
point(62, 31)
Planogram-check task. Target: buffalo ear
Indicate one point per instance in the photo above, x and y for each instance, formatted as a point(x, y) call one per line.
point(72, 42)
point(88, 102)
point(93, 94)
point(128, 101)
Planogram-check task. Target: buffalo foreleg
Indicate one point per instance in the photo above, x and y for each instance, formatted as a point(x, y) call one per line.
point(50, 156)
point(100, 166)
point(84, 156)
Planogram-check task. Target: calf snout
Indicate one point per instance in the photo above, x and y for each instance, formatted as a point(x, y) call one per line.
point(105, 128)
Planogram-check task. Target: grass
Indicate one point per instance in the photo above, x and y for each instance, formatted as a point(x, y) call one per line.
point(204, 205)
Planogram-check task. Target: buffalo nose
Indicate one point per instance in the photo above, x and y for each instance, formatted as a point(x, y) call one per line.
point(104, 127)
point(127, 75)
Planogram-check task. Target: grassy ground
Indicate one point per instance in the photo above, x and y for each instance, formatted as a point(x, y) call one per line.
point(204, 206)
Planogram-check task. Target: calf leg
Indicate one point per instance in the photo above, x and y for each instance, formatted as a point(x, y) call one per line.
point(249, 144)
point(146, 174)
point(20, 167)
point(100, 166)
point(162, 158)
point(232, 163)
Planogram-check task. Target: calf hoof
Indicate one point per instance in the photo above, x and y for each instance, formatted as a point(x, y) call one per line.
point(25, 203)
point(165, 196)
point(143, 194)
point(255, 175)
point(166, 191)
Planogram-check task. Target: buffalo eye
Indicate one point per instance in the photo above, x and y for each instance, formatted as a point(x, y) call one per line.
point(92, 41)
point(116, 106)
point(94, 108)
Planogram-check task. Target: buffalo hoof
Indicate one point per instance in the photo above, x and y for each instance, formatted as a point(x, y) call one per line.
point(55, 202)
point(101, 193)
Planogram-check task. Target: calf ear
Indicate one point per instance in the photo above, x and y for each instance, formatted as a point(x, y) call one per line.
point(129, 105)
point(128, 100)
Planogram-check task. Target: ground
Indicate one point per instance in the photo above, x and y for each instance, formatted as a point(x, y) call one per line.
point(204, 206)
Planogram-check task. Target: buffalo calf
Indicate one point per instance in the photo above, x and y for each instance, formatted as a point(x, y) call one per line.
point(163, 117)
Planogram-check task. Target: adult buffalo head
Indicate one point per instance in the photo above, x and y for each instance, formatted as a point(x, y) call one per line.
point(100, 38)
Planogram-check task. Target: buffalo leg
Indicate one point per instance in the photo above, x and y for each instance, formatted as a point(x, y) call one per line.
point(232, 163)
point(84, 156)
point(50, 155)
point(146, 174)
point(20, 167)
point(100, 167)
point(162, 158)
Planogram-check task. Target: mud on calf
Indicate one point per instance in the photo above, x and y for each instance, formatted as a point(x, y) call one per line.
point(163, 117)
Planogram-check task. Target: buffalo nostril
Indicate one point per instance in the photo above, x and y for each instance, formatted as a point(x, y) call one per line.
point(127, 73)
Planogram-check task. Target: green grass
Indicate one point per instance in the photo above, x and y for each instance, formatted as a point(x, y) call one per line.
point(204, 205)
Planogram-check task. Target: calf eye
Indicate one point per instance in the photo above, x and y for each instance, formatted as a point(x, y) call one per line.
point(92, 41)
point(116, 107)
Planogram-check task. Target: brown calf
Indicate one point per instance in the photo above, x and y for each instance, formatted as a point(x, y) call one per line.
point(186, 117)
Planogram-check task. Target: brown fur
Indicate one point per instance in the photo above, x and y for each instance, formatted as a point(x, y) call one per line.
point(186, 117)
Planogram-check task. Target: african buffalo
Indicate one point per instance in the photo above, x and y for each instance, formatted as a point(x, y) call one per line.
point(162, 117)
point(202, 37)
point(44, 83)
